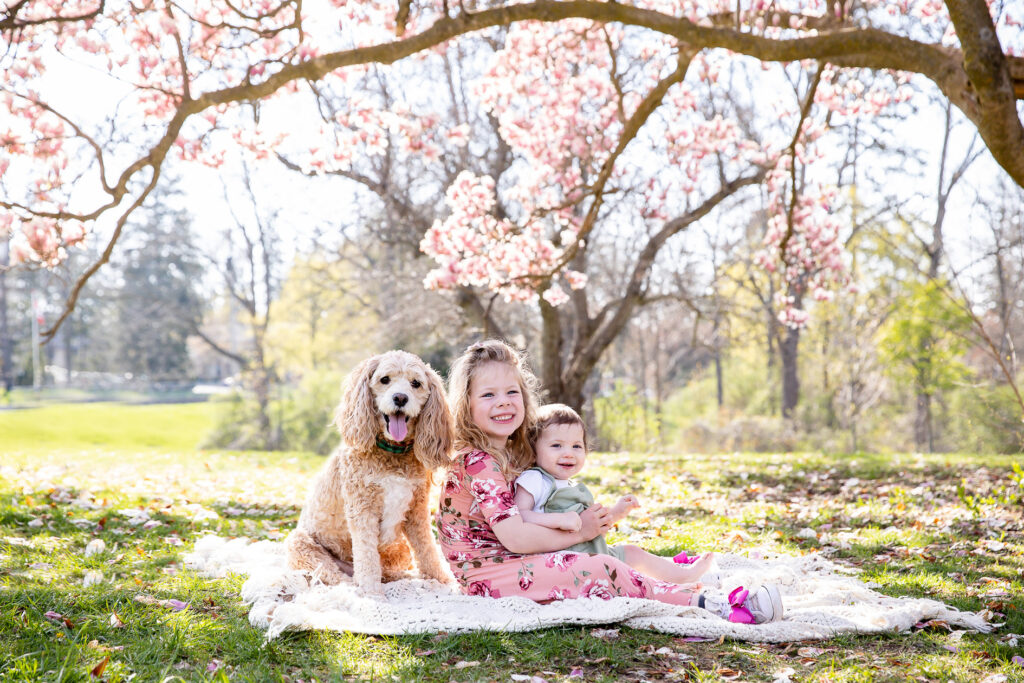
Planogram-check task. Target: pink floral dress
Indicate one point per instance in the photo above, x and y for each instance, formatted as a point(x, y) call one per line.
point(476, 495)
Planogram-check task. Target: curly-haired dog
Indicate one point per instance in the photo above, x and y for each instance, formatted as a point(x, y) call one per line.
point(369, 503)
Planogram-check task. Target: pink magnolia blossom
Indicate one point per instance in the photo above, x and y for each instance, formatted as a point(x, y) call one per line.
point(561, 93)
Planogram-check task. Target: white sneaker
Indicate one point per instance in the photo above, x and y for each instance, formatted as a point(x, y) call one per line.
point(745, 607)
point(711, 580)
point(764, 604)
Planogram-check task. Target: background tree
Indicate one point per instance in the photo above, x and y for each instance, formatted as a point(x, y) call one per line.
point(6, 340)
point(923, 341)
point(158, 304)
point(189, 70)
point(249, 264)
point(1004, 258)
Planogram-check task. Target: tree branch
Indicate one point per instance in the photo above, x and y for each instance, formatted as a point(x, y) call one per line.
point(244, 362)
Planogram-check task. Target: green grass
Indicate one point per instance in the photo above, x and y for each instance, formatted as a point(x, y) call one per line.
point(947, 527)
point(110, 426)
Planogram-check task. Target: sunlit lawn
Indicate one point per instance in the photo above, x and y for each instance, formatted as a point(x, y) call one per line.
point(72, 474)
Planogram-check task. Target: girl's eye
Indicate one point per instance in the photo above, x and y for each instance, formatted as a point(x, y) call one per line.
point(486, 395)
point(415, 384)
point(513, 391)
point(385, 379)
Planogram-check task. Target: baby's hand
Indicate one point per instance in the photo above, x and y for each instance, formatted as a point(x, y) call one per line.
point(570, 522)
point(629, 502)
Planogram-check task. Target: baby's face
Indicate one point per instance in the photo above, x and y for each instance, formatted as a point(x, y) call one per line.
point(560, 450)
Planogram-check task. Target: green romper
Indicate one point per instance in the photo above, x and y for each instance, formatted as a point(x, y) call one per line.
point(577, 498)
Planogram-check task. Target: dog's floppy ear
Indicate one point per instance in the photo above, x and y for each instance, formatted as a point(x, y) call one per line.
point(435, 427)
point(356, 415)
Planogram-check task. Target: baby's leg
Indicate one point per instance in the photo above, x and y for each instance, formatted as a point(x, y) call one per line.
point(664, 569)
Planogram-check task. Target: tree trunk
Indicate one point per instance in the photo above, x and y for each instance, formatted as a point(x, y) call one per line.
point(659, 386)
point(772, 339)
point(790, 378)
point(719, 386)
point(68, 346)
point(923, 437)
point(261, 390)
point(551, 360)
point(570, 393)
point(643, 388)
point(6, 364)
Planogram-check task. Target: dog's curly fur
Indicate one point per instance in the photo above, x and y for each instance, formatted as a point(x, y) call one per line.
point(368, 505)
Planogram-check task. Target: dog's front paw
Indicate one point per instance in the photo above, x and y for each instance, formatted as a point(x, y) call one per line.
point(449, 581)
point(439, 574)
point(371, 588)
point(329, 574)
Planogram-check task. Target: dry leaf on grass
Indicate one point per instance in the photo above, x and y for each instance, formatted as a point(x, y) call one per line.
point(605, 633)
point(171, 604)
point(97, 670)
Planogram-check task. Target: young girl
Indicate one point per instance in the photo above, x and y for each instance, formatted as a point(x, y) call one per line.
point(492, 550)
point(545, 495)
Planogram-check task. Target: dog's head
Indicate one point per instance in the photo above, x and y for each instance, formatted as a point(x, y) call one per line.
point(399, 397)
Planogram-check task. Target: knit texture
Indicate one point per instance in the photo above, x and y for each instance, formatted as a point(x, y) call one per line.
point(821, 600)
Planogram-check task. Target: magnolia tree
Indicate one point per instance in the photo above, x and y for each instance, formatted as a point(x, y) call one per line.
point(579, 87)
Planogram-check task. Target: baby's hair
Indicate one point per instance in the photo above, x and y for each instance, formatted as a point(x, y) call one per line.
point(556, 414)
point(517, 454)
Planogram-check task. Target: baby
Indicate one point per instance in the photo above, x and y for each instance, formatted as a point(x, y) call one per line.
point(546, 496)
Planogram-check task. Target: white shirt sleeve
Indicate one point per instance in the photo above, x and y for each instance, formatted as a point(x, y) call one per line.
point(537, 486)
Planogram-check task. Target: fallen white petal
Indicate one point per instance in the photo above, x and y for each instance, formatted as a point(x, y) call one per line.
point(95, 547)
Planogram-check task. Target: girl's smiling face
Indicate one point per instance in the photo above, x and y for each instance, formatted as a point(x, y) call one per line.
point(496, 401)
point(561, 451)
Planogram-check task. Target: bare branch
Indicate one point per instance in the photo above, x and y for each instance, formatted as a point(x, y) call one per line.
point(241, 360)
point(10, 22)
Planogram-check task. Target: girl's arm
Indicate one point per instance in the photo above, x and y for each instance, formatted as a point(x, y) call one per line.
point(566, 521)
point(520, 536)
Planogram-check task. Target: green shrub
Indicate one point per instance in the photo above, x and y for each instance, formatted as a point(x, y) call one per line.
point(749, 433)
point(307, 414)
point(300, 418)
point(986, 419)
point(626, 420)
point(236, 424)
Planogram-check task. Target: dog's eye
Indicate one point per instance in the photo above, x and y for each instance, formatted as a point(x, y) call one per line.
point(415, 384)
point(385, 379)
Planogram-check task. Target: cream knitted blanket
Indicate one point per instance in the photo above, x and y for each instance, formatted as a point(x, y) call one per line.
point(821, 600)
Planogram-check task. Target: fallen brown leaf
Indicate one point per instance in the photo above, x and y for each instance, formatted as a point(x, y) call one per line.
point(97, 670)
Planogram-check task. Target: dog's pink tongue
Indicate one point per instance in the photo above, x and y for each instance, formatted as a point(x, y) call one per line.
point(397, 428)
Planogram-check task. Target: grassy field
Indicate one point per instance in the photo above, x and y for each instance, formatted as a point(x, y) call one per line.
point(108, 427)
point(945, 527)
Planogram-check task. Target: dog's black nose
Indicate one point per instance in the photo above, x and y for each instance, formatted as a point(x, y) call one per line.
point(400, 399)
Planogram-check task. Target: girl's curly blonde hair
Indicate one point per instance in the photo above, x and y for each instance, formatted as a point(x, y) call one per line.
point(518, 453)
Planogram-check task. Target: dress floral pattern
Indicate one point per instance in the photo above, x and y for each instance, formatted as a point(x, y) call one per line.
point(474, 496)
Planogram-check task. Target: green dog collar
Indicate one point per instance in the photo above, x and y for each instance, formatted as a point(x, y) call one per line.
point(386, 445)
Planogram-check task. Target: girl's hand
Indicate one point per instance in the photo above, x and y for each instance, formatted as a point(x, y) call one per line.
point(596, 520)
